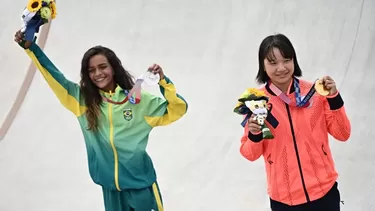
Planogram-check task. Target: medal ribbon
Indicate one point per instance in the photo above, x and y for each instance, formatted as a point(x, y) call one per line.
point(297, 92)
point(136, 89)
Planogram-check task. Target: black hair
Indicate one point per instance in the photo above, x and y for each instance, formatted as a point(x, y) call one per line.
point(90, 92)
point(286, 48)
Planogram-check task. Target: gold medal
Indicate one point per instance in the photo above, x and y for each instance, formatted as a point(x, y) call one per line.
point(319, 87)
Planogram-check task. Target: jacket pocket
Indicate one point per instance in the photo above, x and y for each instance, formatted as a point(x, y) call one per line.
point(324, 151)
point(269, 159)
point(270, 168)
point(327, 161)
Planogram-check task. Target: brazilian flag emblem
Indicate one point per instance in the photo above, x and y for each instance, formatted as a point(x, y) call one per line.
point(128, 114)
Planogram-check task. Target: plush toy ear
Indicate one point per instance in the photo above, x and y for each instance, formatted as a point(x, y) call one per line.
point(251, 104)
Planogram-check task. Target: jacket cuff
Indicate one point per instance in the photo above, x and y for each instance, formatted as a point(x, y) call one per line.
point(255, 137)
point(164, 81)
point(335, 102)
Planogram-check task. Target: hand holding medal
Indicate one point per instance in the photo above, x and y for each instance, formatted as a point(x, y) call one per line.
point(325, 86)
point(152, 77)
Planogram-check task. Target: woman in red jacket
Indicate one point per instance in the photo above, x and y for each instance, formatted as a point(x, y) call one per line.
point(301, 174)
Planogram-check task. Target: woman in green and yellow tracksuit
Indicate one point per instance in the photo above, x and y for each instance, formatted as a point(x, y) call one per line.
point(115, 129)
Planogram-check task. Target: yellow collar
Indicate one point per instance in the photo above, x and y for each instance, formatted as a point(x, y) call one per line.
point(110, 93)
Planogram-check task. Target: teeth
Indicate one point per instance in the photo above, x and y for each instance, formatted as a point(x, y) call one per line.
point(99, 79)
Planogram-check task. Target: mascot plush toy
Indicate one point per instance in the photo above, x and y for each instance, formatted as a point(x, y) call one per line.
point(254, 101)
point(37, 13)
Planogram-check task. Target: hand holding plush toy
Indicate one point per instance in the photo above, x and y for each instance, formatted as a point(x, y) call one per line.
point(253, 102)
point(36, 14)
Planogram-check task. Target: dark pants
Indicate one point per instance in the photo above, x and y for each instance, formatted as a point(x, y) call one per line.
point(329, 202)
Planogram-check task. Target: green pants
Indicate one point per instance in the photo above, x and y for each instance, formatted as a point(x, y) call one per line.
point(147, 199)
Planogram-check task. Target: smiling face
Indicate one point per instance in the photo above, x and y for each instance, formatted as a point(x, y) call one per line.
point(101, 73)
point(278, 68)
point(277, 61)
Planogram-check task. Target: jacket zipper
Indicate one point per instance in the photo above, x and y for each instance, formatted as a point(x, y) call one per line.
point(296, 150)
point(111, 139)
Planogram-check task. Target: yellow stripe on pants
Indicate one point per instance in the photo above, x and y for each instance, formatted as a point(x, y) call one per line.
point(157, 197)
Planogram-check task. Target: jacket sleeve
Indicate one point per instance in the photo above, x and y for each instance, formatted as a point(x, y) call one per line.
point(66, 91)
point(161, 111)
point(338, 124)
point(251, 145)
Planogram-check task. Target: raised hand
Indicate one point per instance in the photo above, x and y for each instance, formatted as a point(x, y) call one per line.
point(156, 69)
point(20, 37)
point(330, 85)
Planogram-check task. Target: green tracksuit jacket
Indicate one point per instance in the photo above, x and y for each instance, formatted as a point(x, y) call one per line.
point(117, 156)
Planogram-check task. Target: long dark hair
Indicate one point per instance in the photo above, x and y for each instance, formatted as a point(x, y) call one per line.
point(286, 48)
point(90, 92)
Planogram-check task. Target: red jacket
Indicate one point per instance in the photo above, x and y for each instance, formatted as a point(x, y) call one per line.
point(298, 160)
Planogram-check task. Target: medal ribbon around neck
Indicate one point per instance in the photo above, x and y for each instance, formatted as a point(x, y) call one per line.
point(303, 103)
point(147, 78)
point(136, 89)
